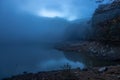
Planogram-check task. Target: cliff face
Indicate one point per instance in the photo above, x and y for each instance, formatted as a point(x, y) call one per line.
point(106, 22)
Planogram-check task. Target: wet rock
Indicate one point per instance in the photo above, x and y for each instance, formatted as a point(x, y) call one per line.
point(102, 69)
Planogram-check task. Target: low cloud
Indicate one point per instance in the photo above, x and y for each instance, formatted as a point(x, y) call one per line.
point(68, 9)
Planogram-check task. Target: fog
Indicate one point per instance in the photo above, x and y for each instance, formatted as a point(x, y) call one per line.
point(22, 27)
point(15, 26)
point(30, 28)
point(19, 19)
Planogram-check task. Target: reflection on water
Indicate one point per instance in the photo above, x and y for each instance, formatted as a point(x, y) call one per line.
point(88, 62)
point(15, 59)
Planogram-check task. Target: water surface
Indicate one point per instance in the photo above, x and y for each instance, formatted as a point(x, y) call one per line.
point(17, 58)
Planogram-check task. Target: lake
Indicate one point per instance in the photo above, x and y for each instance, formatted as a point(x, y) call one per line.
point(17, 58)
point(34, 57)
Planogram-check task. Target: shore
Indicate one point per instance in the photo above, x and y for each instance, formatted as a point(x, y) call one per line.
point(96, 73)
point(89, 73)
point(94, 49)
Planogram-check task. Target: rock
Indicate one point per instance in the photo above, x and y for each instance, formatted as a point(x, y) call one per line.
point(102, 69)
point(24, 72)
point(106, 22)
point(85, 69)
point(118, 77)
point(78, 69)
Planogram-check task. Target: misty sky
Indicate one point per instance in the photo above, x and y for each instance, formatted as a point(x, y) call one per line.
point(68, 9)
point(36, 19)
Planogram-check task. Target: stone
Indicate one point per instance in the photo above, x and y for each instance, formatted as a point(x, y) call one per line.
point(102, 69)
point(85, 69)
point(118, 77)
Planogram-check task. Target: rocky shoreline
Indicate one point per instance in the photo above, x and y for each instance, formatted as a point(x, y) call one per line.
point(93, 49)
point(96, 73)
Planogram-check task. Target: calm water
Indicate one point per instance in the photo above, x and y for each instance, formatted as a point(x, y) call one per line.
point(15, 59)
